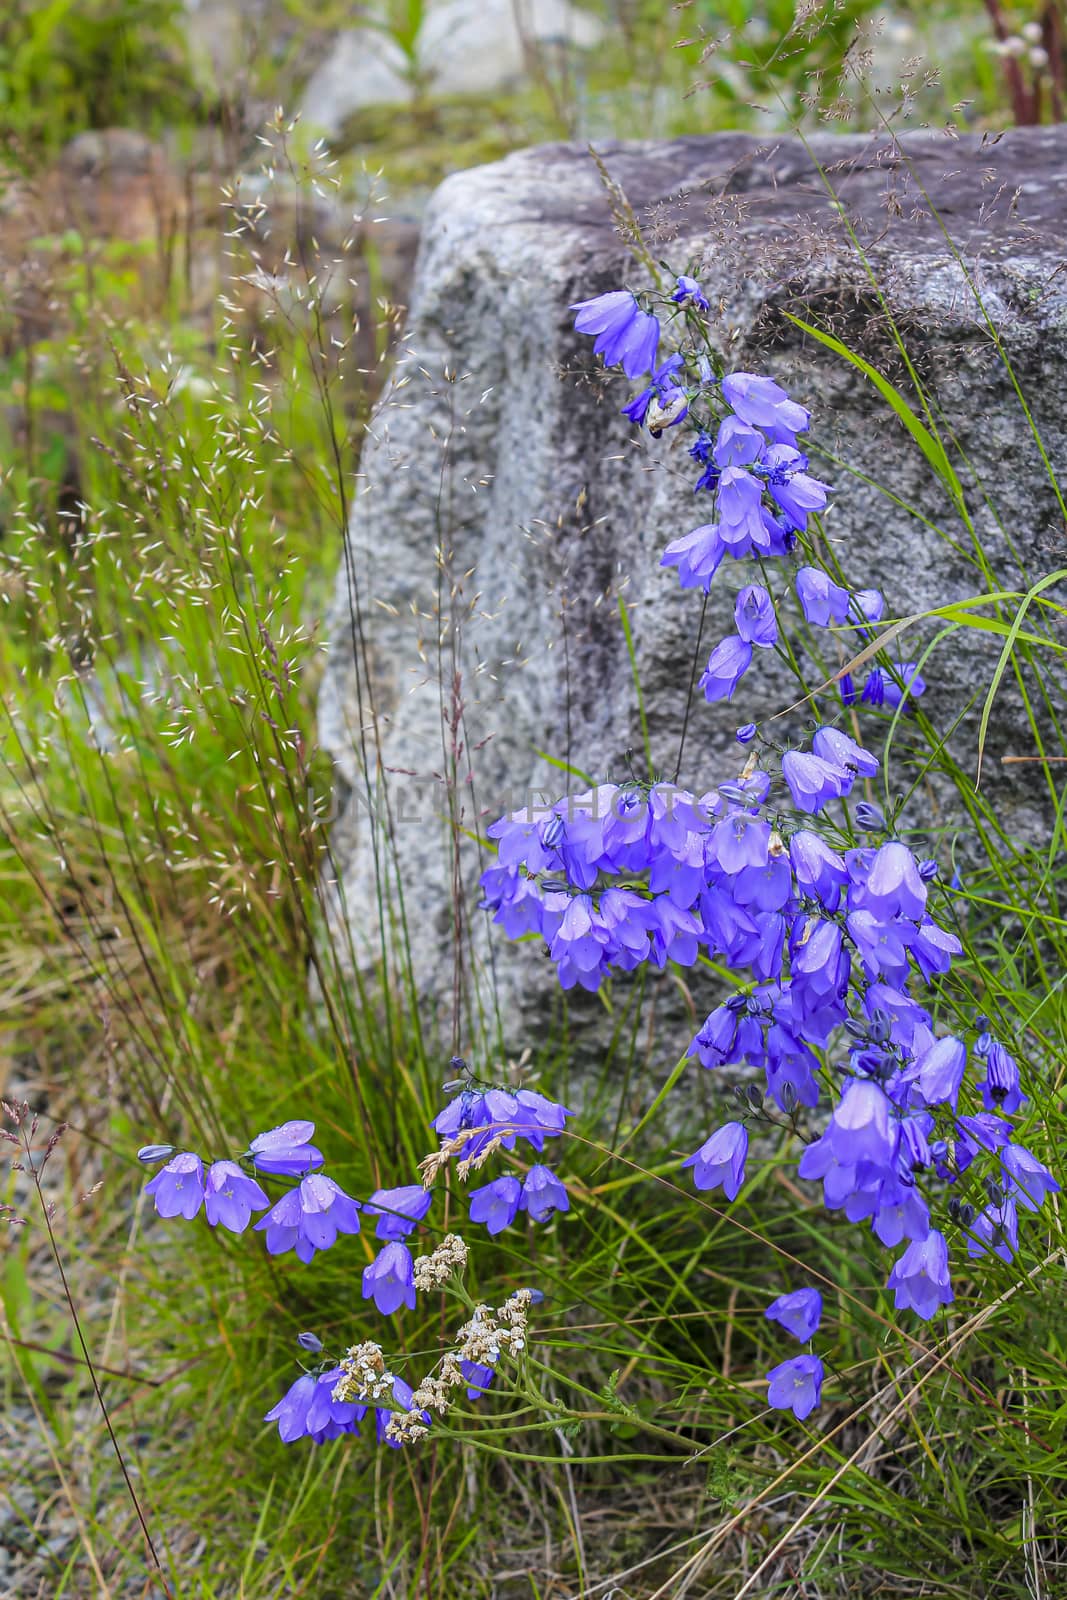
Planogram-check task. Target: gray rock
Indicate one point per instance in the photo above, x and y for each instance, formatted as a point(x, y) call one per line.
point(505, 505)
point(463, 47)
point(364, 68)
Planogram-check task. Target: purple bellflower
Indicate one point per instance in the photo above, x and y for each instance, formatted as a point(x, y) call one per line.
point(496, 1204)
point(799, 1312)
point(941, 1070)
point(995, 1229)
point(920, 1277)
point(813, 782)
point(286, 1151)
point(231, 1196)
point(309, 1218)
point(389, 1280)
point(721, 1160)
point(796, 1385)
point(543, 1193)
point(1027, 1177)
point(626, 336)
point(687, 288)
point(727, 665)
point(399, 1211)
point(764, 404)
point(178, 1190)
point(754, 616)
point(822, 601)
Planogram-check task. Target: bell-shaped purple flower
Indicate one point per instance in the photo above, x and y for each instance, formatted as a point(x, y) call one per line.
point(941, 1070)
point(819, 871)
point(727, 665)
point(291, 1411)
point(230, 1196)
point(822, 601)
point(478, 1375)
point(869, 604)
point(286, 1151)
point(737, 444)
point(1000, 1087)
point(697, 556)
point(1027, 1177)
point(399, 1211)
point(813, 782)
point(328, 1418)
point(178, 1189)
point(826, 1158)
point(309, 1218)
point(389, 1280)
point(893, 887)
point(920, 1278)
point(496, 1204)
point(721, 1160)
point(626, 336)
point(740, 512)
point(739, 840)
point(754, 616)
point(543, 1193)
point(763, 403)
point(836, 747)
point(799, 1312)
point(861, 1127)
point(883, 946)
point(995, 1229)
point(686, 288)
point(796, 1385)
point(792, 487)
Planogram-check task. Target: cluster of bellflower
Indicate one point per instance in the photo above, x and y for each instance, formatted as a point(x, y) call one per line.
point(747, 433)
point(830, 939)
point(621, 875)
point(309, 1217)
point(311, 1214)
point(482, 1119)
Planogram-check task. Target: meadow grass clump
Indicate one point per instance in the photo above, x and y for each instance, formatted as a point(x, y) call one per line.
point(554, 1357)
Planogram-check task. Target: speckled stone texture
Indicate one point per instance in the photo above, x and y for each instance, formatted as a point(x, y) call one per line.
point(505, 505)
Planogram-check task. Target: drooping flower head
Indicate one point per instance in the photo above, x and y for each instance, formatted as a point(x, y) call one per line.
point(286, 1151)
point(626, 336)
point(399, 1211)
point(178, 1190)
point(389, 1280)
point(799, 1312)
point(231, 1196)
point(796, 1385)
point(920, 1278)
point(309, 1217)
point(721, 1160)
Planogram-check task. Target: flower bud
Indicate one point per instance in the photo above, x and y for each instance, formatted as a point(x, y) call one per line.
point(746, 734)
point(967, 1214)
point(928, 871)
point(787, 1098)
point(870, 818)
point(154, 1152)
point(754, 1096)
point(310, 1342)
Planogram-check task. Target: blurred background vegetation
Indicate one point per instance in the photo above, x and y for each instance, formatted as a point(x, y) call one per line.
point(189, 349)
